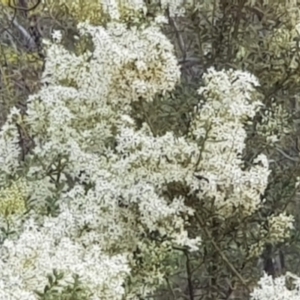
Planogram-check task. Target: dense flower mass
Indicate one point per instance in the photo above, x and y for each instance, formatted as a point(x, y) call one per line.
point(73, 120)
point(103, 198)
point(38, 251)
point(276, 289)
point(219, 123)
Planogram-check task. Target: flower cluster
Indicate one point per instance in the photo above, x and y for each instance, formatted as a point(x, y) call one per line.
point(26, 262)
point(9, 147)
point(13, 199)
point(276, 289)
point(219, 129)
point(279, 229)
point(274, 124)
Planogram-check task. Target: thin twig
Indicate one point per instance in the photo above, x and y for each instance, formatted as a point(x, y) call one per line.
point(25, 33)
point(189, 274)
point(24, 8)
point(171, 289)
point(222, 255)
point(179, 37)
point(287, 156)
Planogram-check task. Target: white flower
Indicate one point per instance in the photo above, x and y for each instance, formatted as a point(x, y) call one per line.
point(275, 289)
point(57, 36)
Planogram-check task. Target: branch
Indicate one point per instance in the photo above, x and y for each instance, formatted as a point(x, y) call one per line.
point(222, 255)
point(25, 33)
point(179, 38)
point(189, 274)
point(24, 8)
point(286, 155)
point(170, 288)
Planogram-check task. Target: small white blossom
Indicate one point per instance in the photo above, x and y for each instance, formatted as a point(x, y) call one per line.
point(57, 36)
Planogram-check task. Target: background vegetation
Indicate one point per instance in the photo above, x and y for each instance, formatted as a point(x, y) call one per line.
point(261, 37)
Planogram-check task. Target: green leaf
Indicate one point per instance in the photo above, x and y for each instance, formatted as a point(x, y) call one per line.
point(50, 279)
point(40, 295)
point(46, 289)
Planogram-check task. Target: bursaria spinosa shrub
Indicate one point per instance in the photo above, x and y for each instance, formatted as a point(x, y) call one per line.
point(105, 199)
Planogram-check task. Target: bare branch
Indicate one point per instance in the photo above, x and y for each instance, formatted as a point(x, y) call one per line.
point(24, 32)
